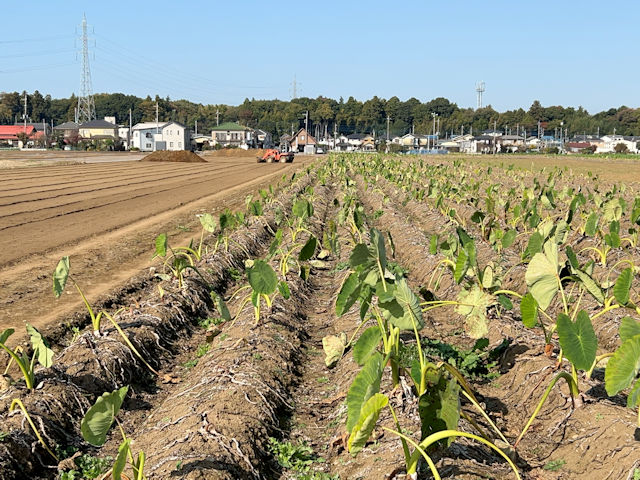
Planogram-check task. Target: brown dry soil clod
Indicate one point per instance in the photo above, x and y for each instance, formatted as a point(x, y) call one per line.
point(181, 156)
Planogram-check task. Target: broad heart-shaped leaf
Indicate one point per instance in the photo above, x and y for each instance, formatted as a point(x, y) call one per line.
point(469, 245)
point(366, 423)
point(534, 245)
point(508, 238)
point(161, 245)
point(308, 249)
point(462, 265)
point(542, 275)
point(628, 328)
point(366, 344)
point(410, 305)
point(634, 395)
point(208, 222)
point(573, 259)
point(60, 276)
point(591, 225)
point(360, 255)
point(439, 408)
point(6, 334)
point(40, 347)
point(302, 209)
point(590, 284)
point(529, 310)
point(364, 386)
point(98, 420)
point(333, 346)
point(262, 278)
point(349, 293)
point(623, 367)
point(578, 340)
point(474, 304)
point(121, 459)
point(377, 248)
point(623, 286)
point(283, 288)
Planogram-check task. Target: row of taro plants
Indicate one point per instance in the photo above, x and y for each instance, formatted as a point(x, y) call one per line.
point(63, 404)
point(574, 240)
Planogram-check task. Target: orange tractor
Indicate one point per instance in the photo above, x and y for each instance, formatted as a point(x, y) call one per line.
point(273, 155)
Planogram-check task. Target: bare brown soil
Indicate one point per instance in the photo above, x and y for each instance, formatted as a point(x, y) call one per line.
point(105, 217)
point(181, 156)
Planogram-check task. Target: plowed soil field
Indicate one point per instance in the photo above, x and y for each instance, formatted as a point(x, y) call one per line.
point(105, 216)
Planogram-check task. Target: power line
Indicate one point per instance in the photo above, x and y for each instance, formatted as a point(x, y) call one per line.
point(37, 67)
point(37, 54)
point(39, 39)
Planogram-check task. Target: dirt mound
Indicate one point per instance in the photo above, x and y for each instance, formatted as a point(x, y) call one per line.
point(182, 156)
point(234, 152)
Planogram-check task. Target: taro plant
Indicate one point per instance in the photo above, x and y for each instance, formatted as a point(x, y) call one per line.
point(395, 307)
point(96, 424)
point(17, 403)
point(176, 260)
point(262, 286)
point(41, 353)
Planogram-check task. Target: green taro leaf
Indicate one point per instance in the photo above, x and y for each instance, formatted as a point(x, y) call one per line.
point(508, 238)
point(623, 367)
point(262, 278)
point(366, 345)
point(283, 288)
point(6, 334)
point(364, 386)
point(208, 222)
point(161, 245)
point(366, 422)
point(98, 420)
point(590, 284)
point(634, 395)
point(377, 248)
point(591, 225)
point(578, 340)
point(474, 304)
point(439, 408)
point(309, 249)
point(462, 265)
point(573, 259)
point(505, 301)
point(629, 328)
point(40, 346)
point(412, 313)
point(534, 245)
point(60, 276)
point(302, 209)
point(529, 311)
point(433, 244)
point(333, 346)
point(121, 459)
point(623, 286)
point(360, 256)
point(349, 293)
point(542, 275)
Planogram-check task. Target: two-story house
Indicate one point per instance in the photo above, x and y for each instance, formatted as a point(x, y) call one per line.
point(152, 136)
point(232, 134)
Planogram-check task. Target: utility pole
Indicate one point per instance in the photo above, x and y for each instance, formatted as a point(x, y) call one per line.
point(306, 121)
point(388, 119)
point(129, 134)
point(196, 127)
point(24, 115)
point(217, 117)
point(494, 137)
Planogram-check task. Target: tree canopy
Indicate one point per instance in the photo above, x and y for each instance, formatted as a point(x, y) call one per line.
point(279, 117)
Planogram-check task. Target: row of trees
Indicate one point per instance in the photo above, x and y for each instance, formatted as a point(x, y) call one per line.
point(370, 116)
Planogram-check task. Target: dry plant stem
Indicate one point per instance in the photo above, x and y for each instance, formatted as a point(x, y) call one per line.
point(18, 402)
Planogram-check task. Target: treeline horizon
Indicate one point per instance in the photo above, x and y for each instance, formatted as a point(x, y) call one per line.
point(326, 114)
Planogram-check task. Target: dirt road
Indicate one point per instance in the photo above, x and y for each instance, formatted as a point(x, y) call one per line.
point(105, 216)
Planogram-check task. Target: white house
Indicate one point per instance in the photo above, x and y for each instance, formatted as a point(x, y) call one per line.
point(151, 136)
point(610, 142)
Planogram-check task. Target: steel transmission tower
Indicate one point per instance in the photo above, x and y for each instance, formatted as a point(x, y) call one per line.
point(480, 90)
point(86, 106)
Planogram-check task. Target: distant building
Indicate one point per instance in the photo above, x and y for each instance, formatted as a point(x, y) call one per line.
point(232, 134)
point(303, 142)
point(68, 129)
point(10, 135)
point(98, 130)
point(152, 136)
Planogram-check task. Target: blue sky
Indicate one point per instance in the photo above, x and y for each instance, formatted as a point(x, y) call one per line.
point(567, 53)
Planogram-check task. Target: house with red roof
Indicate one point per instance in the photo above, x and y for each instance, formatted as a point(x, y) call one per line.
point(10, 135)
